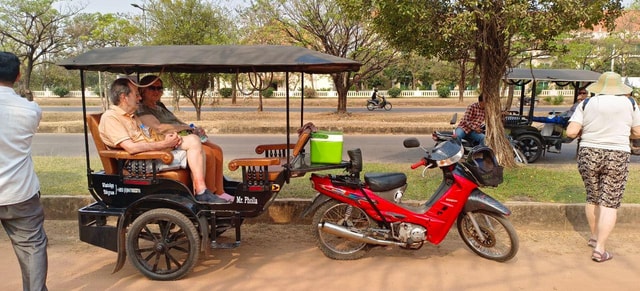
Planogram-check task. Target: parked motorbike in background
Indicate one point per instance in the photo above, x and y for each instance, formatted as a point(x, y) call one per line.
point(352, 215)
point(381, 103)
point(442, 136)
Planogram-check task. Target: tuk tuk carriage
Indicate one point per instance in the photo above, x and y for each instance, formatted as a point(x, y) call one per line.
point(152, 216)
point(533, 142)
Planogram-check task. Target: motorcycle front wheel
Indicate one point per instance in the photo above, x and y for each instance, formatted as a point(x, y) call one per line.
point(494, 238)
point(347, 216)
point(371, 106)
point(387, 106)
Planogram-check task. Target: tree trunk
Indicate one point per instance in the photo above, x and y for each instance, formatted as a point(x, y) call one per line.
point(492, 55)
point(463, 79)
point(342, 87)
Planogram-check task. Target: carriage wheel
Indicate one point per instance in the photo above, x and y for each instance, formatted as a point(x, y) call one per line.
point(163, 244)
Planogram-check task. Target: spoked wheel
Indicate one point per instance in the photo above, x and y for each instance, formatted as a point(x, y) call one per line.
point(496, 239)
point(387, 106)
point(531, 147)
point(371, 106)
point(344, 215)
point(163, 244)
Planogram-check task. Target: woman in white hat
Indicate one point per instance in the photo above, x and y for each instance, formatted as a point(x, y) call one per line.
point(605, 123)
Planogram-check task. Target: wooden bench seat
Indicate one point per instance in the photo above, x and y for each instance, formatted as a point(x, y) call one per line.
point(110, 157)
point(275, 157)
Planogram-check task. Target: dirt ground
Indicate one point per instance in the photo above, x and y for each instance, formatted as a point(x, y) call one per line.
point(284, 257)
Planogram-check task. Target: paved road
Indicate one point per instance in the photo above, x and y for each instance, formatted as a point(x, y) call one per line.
point(375, 148)
point(543, 110)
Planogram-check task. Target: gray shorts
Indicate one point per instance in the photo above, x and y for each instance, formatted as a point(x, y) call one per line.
point(604, 173)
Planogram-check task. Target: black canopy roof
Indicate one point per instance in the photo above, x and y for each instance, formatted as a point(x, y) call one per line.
point(209, 59)
point(554, 75)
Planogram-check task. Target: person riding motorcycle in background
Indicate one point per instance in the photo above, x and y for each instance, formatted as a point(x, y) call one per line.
point(471, 125)
point(374, 96)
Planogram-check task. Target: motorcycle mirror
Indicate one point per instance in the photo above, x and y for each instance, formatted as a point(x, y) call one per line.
point(454, 119)
point(411, 142)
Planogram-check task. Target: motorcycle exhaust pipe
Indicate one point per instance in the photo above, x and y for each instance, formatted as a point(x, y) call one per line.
point(345, 233)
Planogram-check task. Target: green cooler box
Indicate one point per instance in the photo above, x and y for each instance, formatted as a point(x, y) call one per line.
point(326, 147)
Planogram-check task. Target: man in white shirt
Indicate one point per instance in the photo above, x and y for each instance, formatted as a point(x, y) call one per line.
point(21, 212)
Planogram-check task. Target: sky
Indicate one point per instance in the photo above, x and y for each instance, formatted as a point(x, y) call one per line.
point(124, 6)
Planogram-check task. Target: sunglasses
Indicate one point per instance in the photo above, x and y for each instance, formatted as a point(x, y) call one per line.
point(583, 93)
point(157, 88)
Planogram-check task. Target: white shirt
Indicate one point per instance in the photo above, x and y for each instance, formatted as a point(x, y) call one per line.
point(20, 119)
point(606, 122)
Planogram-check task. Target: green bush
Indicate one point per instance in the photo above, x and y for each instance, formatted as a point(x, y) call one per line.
point(60, 91)
point(554, 100)
point(444, 91)
point(267, 92)
point(394, 92)
point(309, 93)
point(225, 92)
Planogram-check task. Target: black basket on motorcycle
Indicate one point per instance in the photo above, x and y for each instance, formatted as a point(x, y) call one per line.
point(483, 166)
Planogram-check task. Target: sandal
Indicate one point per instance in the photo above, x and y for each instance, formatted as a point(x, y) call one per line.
point(599, 257)
point(592, 243)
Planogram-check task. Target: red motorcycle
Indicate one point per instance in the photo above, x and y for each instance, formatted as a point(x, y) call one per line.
point(352, 215)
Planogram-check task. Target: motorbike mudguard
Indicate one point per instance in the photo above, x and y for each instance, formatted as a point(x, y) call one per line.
point(317, 201)
point(479, 200)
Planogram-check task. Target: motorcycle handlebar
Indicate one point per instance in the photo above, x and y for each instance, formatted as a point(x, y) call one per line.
point(422, 162)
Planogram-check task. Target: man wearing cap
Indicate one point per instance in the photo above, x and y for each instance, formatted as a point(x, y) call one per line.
point(604, 125)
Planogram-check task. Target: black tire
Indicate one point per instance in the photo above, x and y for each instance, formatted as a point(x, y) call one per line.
point(388, 106)
point(531, 147)
point(163, 244)
point(371, 106)
point(500, 241)
point(336, 247)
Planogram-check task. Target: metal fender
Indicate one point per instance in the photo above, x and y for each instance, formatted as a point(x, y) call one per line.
point(317, 201)
point(479, 200)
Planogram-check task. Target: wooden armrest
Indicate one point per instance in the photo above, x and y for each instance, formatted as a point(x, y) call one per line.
point(165, 157)
point(260, 149)
point(235, 164)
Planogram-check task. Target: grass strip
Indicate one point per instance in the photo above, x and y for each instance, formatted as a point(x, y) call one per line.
point(67, 176)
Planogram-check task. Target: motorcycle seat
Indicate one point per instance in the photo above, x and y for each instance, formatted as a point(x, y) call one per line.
point(384, 181)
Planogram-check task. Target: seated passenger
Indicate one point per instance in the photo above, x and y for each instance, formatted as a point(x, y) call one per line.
point(562, 119)
point(153, 113)
point(120, 128)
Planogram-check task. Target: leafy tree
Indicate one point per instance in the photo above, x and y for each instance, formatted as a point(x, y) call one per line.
point(34, 30)
point(322, 25)
point(487, 28)
point(188, 22)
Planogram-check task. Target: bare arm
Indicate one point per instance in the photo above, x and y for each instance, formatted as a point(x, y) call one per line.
point(574, 129)
point(153, 122)
point(170, 141)
point(635, 132)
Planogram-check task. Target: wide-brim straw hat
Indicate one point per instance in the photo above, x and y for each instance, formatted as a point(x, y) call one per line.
point(609, 83)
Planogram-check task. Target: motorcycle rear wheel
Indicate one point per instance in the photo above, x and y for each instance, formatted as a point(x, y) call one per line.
point(345, 215)
point(371, 106)
point(500, 242)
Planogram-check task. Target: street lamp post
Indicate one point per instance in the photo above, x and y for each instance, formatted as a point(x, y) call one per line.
point(144, 17)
